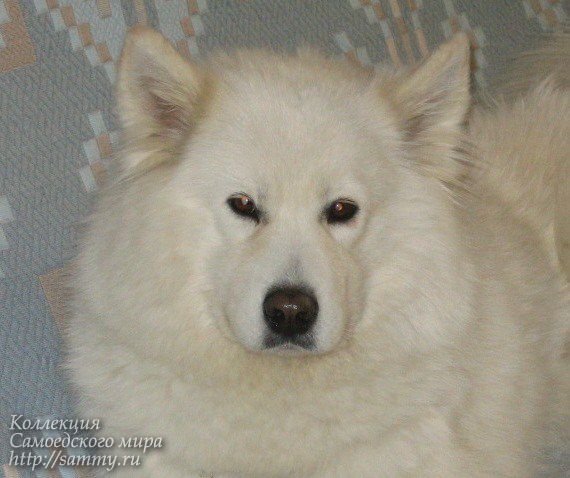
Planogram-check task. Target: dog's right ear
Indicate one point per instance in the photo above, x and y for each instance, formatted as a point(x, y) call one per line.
point(159, 95)
point(433, 102)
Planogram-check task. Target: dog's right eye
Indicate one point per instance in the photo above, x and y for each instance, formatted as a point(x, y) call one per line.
point(244, 206)
point(341, 210)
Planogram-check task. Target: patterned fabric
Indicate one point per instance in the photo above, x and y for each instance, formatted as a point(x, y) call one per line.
point(57, 128)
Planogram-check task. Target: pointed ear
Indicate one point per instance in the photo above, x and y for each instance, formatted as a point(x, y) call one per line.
point(158, 94)
point(433, 101)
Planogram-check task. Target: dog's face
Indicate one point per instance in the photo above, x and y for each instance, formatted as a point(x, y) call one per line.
point(290, 196)
point(292, 177)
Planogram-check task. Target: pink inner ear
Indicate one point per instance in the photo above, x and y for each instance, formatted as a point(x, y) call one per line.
point(425, 115)
point(168, 115)
point(165, 111)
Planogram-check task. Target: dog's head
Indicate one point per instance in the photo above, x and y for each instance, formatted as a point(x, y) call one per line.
point(309, 187)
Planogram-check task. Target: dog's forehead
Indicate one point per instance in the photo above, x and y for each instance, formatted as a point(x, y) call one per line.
point(284, 130)
point(289, 133)
point(286, 154)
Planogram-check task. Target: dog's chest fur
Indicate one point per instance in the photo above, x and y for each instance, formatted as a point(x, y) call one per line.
point(259, 427)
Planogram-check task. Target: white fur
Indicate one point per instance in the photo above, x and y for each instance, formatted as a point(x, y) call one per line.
point(443, 311)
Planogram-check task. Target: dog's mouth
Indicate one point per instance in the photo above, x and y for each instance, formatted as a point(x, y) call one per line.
point(289, 345)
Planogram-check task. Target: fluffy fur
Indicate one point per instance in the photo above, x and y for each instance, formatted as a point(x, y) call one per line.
point(442, 336)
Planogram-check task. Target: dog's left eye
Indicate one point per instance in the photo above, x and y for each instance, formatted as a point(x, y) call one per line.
point(341, 210)
point(244, 206)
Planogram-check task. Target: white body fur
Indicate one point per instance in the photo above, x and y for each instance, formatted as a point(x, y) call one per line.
point(444, 316)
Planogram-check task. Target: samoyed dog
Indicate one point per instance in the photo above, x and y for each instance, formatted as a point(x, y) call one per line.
point(305, 269)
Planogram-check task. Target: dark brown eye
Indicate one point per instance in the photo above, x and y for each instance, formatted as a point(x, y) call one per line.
point(341, 210)
point(244, 206)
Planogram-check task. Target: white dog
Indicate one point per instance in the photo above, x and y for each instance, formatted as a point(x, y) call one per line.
point(304, 271)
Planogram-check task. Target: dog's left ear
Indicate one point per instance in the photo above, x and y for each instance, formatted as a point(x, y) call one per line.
point(433, 101)
point(159, 95)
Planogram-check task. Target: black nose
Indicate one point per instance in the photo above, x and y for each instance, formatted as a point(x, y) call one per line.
point(290, 311)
